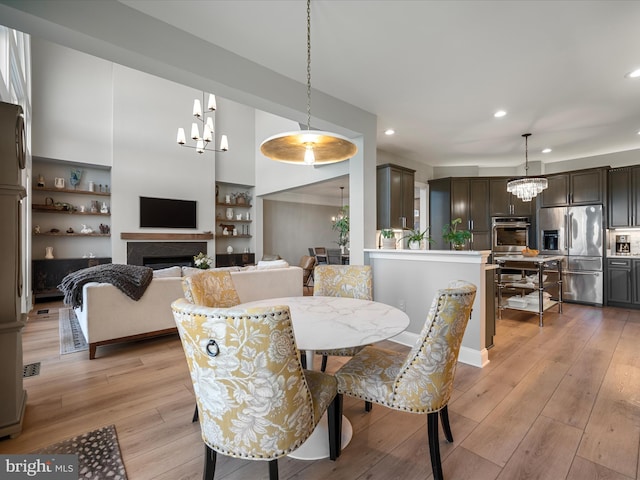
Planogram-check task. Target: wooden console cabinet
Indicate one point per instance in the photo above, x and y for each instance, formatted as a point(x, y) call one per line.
point(48, 274)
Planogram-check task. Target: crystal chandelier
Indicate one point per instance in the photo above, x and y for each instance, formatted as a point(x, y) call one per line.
point(207, 119)
point(527, 188)
point(308, 147)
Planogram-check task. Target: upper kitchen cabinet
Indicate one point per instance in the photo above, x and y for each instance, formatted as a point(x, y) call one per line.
point(624, 201)
point(395, 192)
point(583, 187)
point(502, 202)
point(465, 198)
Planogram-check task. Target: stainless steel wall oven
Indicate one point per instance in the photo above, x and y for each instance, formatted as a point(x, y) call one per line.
point(509, 234)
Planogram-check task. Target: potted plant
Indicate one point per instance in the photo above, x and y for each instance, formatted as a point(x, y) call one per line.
point(242, 198)
point(416, 237)
point(456, 237)
point(388, 238)
point(341, 225)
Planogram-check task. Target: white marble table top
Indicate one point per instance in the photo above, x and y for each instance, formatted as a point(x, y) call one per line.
point(321, 323)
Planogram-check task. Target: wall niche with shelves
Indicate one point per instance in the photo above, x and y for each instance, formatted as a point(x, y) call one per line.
point(234, 219)
point(70, 221)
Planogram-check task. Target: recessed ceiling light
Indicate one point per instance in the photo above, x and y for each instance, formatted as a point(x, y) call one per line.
point(389, 131)
point(500, 114)
point(633, 74)
point(546, 150)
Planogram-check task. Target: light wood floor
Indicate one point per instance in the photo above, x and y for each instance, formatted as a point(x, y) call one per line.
point(558, 402)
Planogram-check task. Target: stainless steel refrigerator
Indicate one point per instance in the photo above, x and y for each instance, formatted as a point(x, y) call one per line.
point(577, 233)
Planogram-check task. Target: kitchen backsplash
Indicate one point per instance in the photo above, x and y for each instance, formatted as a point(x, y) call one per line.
point(633, 238)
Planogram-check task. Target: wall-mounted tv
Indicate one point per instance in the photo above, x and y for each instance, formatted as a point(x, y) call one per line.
point(167, 213)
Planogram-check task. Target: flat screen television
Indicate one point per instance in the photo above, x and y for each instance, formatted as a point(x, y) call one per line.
point(167, 213)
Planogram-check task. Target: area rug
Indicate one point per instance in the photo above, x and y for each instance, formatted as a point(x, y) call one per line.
point(71, 336)
point(98, 453)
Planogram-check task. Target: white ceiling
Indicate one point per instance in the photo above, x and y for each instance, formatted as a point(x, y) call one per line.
point(436, 71)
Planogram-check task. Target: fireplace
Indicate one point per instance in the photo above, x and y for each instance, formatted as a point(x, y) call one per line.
point(163, 254)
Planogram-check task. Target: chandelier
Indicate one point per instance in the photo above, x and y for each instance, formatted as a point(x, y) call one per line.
point(207, 119)
point(527, 188)
point(308, 147)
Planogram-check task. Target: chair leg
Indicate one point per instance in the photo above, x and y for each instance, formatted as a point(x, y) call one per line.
point(334, 419)
point(273, 469)
point(209, 463)
point(434, 446)
point(303, 359)
point(323, 367)
point(196, 416)
point(446, 428)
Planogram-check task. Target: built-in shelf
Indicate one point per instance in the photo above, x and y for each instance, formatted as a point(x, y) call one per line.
point(233, 236)
point(165, 236)
point(65, 234)
point(231, 205)
point(70, 190)
point(47, 209)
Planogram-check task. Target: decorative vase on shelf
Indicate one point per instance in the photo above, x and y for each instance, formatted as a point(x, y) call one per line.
point(229, 249)
point(48, 252)
point(229, 213)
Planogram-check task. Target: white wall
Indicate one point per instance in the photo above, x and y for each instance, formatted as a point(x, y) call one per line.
point(293, 228)
point(147, 161)
point(72, 105)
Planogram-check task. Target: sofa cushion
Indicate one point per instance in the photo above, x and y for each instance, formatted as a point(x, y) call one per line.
point(272, 264)
point(167, 272)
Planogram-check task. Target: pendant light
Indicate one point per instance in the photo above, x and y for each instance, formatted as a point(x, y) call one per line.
point(527, 188)
point(308, 147)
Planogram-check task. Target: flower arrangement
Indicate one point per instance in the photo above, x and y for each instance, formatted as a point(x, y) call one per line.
point(202, 261)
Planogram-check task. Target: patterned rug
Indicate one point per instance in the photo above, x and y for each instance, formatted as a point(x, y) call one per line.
point(71, 336)
point(98, 454)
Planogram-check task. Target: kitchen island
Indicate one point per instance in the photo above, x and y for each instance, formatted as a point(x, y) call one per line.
point(532, 275)
point(409, 279)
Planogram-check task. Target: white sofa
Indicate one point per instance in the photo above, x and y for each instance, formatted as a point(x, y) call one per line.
point(109, 316)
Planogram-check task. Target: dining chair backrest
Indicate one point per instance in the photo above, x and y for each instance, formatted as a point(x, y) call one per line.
point(425, 381)
point(211, 288)
point(334, 256)
point(253, 399)
point(321, 255)
point(307, 263)
point(353, 281)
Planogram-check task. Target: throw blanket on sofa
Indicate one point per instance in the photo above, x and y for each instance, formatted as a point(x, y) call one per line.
point(132, 280)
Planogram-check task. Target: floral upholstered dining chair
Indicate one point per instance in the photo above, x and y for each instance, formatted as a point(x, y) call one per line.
point(421, 381)
point(210, 288)
point(352, 281)
point(255, 400)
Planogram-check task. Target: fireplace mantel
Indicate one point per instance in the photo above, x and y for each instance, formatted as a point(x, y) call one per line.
point(165, 236)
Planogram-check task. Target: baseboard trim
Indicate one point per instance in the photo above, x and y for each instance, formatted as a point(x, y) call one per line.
point(476, 358)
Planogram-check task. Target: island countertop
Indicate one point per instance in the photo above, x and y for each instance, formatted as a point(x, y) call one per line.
point(523, 258)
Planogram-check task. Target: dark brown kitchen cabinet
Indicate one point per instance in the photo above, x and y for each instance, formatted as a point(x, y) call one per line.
point(464, 198)
point(503, 203)
point(582, 187)
point(624, 197)
point(619, 281)
point(395, 195)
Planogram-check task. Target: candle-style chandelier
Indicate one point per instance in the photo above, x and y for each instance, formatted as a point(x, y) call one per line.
point(207, 119)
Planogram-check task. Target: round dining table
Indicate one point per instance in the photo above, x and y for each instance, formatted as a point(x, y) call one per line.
point(321, 323)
